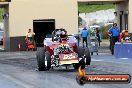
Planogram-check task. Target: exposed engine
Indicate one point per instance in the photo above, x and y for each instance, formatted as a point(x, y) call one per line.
point(60, 49)
point(63, 48)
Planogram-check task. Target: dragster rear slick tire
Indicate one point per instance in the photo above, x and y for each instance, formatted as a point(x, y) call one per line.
point(43, 59)
point(40, 59)
point(48, 57)
point(87, 56)
point(80, 51)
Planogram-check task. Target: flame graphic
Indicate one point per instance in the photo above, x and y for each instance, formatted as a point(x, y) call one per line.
point(82, 72)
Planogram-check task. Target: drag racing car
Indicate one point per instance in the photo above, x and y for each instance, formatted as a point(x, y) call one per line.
point(61, 50)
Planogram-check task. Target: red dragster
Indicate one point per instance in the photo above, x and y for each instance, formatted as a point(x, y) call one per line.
point(61, 50)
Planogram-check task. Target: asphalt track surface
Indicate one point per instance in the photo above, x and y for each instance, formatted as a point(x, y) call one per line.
point(19, 70)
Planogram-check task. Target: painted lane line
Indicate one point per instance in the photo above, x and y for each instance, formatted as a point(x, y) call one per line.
point(96, 59)
point(124, 58)
point(93, 59)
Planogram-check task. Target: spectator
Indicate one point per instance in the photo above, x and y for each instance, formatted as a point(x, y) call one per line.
point(84, 35)
point(124, 36)
point(30, 35)
point(114, 33)
point(98, 35)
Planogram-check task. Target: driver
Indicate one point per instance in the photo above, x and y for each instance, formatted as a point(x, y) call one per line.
point(63, 33)
point(59, 33)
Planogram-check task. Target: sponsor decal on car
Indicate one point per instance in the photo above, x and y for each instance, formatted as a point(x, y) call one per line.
point(71, 56)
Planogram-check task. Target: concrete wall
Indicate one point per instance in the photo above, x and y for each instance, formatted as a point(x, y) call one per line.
point(122, 6)
point(6, 28)
point(130, 16)
point(23, 12)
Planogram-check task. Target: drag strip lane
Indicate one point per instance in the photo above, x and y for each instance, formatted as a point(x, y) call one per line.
point(22, 71)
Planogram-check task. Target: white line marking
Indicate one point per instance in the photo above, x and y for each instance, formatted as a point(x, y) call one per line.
point(112, 61)
point(124, 58)
point(96, 60)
